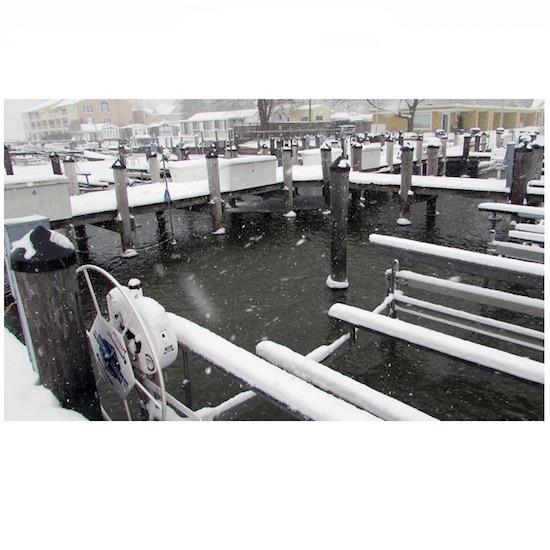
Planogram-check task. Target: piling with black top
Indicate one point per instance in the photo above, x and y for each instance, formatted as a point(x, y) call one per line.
point(8, 165)
point(123, 207)
point(326, 159)
point(56, 164)
point(405, 186)
point(49, 297)
point(288, 185)
point(69, 168)
point(216, 204)
point(523, 157)
point(477, 142)
point(122, 154)
point(339, 191)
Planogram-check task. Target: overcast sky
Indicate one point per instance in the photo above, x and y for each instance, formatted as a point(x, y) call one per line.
point(13, 125)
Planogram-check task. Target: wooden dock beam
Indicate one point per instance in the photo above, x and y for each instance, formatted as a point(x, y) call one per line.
point(288, 185)
point(49, 297)
point(326, 156)
point(124, 218)
point(216, 203)
point(523, 157)
point(405, 187)
point(339, 191)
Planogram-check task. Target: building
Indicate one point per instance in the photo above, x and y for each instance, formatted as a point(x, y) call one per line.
point(301, 113)
point(56, 119)
point(218, 121)
point(451, 117)
point(164, 128)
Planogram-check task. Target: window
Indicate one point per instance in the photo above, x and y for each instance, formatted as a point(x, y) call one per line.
point(107, 120)
point(104, 106)
point(87, 108)
point(318, 117)
point(305, 118)
point(195, 125)
point(422, 121)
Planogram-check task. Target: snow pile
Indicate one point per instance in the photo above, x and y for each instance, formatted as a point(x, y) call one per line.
point(60, 240)
point(26, 244)
point(24, 399)
point(335, 285)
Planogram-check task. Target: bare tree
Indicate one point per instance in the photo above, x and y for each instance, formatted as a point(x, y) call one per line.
point(268, 107)
point(406, 109)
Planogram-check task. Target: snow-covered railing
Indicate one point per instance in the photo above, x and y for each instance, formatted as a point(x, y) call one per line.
point(530, 236)
point(531, 227)
point(472, 352)
point(264, 378)
point(533, 212)
point(344, 387)
point(460, 260)
point(485, 296)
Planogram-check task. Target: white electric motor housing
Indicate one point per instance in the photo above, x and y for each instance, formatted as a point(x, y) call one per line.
point(163, 338)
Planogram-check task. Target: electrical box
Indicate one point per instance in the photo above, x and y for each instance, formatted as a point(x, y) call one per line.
point(37, 195)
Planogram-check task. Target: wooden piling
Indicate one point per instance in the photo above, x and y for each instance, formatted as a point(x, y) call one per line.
point(294, 152)
point(389, 153)
point(124, 218)
point(216, 204)
point(499, 137)
point(339, 192)
point(288, 185)
point(81, 238)
point(433, 157)
point(483, 142)
point(405, 186)
point(154, 167)
point(122, 154)
point(69, 168)
point(56, 164)
point(49, 293)
point(523, 157)
point(538, 160)
point(400, 139)
point(356, 157)
point(8, 165)
point(326, 159)
point(419, 155)
point(477, 142)
point(444, 140)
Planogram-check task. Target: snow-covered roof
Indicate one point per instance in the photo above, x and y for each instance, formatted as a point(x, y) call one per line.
point(162, 123)
point(537, 104)
point(223, 115)
point(42, 105)
point(306, 107)
point(91, 127)
point(471, 107)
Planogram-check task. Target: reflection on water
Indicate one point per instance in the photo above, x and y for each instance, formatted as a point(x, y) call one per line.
point(266, 279)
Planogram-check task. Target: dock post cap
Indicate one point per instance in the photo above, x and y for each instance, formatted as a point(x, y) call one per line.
point(53, 154)
point(212, 154)
point(326, 146)
point(499, 130)
point(341, 164)
point(118, 165)
point(357, 145)
point(42, 250)
point(134, 284)
point(407, 147)
point(68, 158)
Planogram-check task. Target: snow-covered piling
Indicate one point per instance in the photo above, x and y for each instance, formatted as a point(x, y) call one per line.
point(154, 167)
point(44, 265)
point(521, 172)
point(69, 168)
point(294, 151)
point(56, 164)
point(418, 155)
point(443, 153)
point(405, 186)
point(339, 191)
point(326, 155)
point(499, 137)
point(8, 165)
point(123, 208)
point(213, 173)
point(288, 186)
point(538, 161)
point(431, 170)
point(389, 153)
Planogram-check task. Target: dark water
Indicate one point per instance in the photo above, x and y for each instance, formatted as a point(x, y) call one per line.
point(258, 282)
